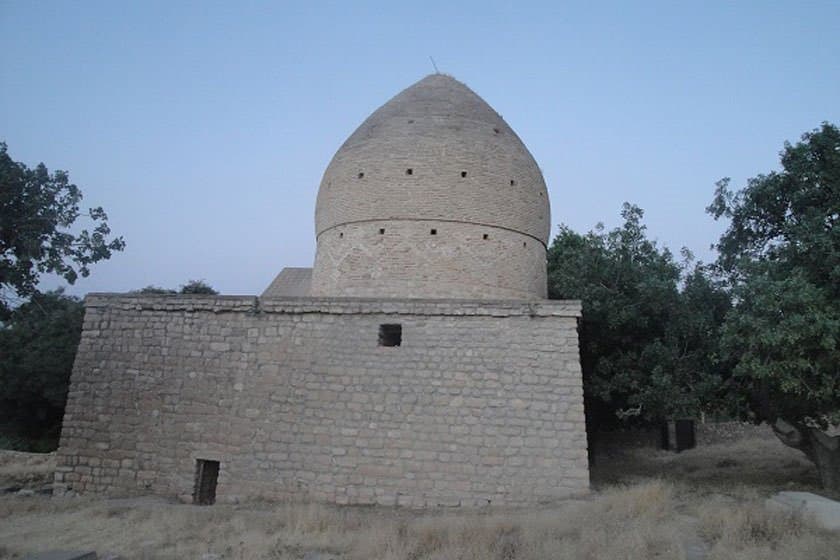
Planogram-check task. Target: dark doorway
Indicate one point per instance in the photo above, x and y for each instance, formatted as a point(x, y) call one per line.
point(206, 476)
point(684, 432)
point(677, 435)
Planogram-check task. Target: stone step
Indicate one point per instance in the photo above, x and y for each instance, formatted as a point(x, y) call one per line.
point(825, 512)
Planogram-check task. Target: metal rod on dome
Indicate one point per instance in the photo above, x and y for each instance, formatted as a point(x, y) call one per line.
point(435, 65)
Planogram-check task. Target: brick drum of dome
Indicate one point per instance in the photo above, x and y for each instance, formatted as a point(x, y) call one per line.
point(434, 195)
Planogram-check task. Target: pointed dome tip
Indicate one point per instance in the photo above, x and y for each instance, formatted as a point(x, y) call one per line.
point(439, 79)
point(439, 76)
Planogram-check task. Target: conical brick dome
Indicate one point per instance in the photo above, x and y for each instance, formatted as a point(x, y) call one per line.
point(433, 196)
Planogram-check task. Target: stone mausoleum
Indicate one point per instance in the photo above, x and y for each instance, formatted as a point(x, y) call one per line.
point(417, 363)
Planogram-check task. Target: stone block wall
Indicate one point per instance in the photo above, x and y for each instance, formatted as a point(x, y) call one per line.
point(435, 151)
point(436, 156)
point(397, 258)
point(481, 403)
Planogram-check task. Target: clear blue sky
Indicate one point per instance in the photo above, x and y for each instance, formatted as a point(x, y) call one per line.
point(203, 128)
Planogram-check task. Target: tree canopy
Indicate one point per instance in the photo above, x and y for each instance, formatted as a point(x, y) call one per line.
point(191, 287)
point(38, 211)
point(645, 342)
point(781, 257)
point(38, 344)
point(198, 287)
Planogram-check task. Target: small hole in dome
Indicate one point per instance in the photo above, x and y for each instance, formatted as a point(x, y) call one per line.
point(433, 232)
point(512, 182)
point(361, 175)
point(496, 130)
point(524, 244)
point(341, 235)
point(410, 121)
point(381, 231)
point(463, 174)
point(541, 194)
point(409, 171)
point(486, 236)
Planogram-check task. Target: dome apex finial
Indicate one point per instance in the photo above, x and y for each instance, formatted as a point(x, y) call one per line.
point(434, 65)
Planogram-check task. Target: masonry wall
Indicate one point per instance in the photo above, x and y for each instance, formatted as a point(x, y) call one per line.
point(436, 156)
point(466, 165)
point(481, 403)
point(398, 258)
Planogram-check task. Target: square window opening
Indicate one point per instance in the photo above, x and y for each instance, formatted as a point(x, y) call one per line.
point(390, 335)
point(206, 477)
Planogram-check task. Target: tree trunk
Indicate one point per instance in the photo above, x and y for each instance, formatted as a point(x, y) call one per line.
point(822, 449)
point(827, 453)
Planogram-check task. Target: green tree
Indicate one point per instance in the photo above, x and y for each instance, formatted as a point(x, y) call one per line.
point(153, 290)
point(191, 287)
point(38, 210)
point(644, 341)
point(198, 287)
point(781, 255)
point(38, 343)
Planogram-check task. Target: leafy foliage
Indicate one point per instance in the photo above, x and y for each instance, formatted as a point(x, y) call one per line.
point(154, 290)
point(781, 255)
point(783, 338)
point(37, 210)
point(198, 287)
point(191, 287)
point(38, 343)
point(645, 344)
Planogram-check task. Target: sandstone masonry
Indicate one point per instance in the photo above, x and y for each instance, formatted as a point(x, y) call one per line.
point(362, 380)
point(480, 404)
point(434, 195)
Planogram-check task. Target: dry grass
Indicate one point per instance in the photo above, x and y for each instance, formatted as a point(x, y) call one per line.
point(645, 508)
point(758, 462)
point(629, 523)
point(25, 469)
point(749, 531)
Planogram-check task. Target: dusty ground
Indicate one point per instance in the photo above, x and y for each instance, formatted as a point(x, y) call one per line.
point(705, 502)
point(31, 471)
point(728, 459)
